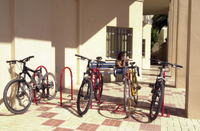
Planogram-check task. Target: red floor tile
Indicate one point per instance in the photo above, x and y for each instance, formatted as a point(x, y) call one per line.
point(47, 115)
point(110, 122)
point(41, 108)
point(53, 122)
point(88, 127)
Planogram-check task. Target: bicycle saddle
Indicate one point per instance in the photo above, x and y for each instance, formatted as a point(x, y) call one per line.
point(132, 63)
point(99, 58)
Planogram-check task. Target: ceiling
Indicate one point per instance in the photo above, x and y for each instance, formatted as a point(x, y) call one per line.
point(152, 7)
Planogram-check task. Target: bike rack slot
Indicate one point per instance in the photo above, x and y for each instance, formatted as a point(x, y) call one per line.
point(61, 76)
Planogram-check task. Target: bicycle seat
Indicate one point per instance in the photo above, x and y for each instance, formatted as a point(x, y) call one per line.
point(99, 58)
point(132, 63)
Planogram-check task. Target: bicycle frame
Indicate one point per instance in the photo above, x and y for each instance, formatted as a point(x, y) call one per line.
point(162, 74)
point(133, 70)
point(25, 71)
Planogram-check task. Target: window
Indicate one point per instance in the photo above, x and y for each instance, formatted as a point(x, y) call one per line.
point(118, 39)
point(143, 47)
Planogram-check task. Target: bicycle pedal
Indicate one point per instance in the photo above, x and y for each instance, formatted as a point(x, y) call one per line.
point(139, 87)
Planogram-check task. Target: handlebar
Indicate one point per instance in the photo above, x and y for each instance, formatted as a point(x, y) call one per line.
point(21, 61)
point(115, 68)
point(165, 63)
point(83, 58)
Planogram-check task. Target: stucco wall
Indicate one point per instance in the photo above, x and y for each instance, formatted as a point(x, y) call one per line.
point(5, 44)
point(55, 30)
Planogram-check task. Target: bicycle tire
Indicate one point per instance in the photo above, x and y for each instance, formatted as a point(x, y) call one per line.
point(50, 83)
point(84, 94)
point(135, 89)
point(37, 92)
point(96, 92)
point(11, 100)
point(127, 97)
point(156, 104)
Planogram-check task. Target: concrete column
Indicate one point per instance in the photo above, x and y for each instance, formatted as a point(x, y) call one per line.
point(169, 40)
point(135, 22)
point(193, 63)
point(182, 43)
point(147, 37)
point(174, 33)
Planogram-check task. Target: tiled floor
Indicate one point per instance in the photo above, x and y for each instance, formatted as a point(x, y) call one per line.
point(109, 115)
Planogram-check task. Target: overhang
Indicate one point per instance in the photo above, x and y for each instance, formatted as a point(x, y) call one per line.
point(152, 7)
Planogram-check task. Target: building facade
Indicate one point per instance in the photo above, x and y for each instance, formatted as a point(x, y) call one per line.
point(55, 30)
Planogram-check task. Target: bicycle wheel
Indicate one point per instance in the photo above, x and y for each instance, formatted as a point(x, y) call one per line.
point(127, 97)
point(84, 97)
point(50, 84)
point(96, 92)
point(156, 102)
point(37, 92)
point(17, 96)
point(135, 89)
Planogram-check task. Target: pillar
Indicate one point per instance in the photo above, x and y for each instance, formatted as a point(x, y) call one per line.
point(180, 76)
point(174, 33)
point(135, 22)
point(193, 52)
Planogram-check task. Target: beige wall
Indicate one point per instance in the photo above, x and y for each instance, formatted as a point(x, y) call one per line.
point(65, 16)
point(55, 30)
point(5, 44)
point(96, 15)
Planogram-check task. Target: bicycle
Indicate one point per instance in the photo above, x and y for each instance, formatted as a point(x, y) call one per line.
point(131, 87)
point(84, 98)
point(158, 89)
point(18, 94)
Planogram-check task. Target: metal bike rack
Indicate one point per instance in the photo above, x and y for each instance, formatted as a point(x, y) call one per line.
point(61, 84)
point(37, 69)
point(163, 107)
point(94, 71)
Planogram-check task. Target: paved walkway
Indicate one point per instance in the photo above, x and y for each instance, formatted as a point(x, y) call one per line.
point(46, 117)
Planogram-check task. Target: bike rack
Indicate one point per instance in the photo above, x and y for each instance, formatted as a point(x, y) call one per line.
point(61, 84)
point(94, 71)
point(163, 107)
point(34, 76)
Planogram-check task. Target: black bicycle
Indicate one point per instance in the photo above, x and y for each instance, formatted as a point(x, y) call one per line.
point(89, 85)
point(158, 88)
point(18, 93)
